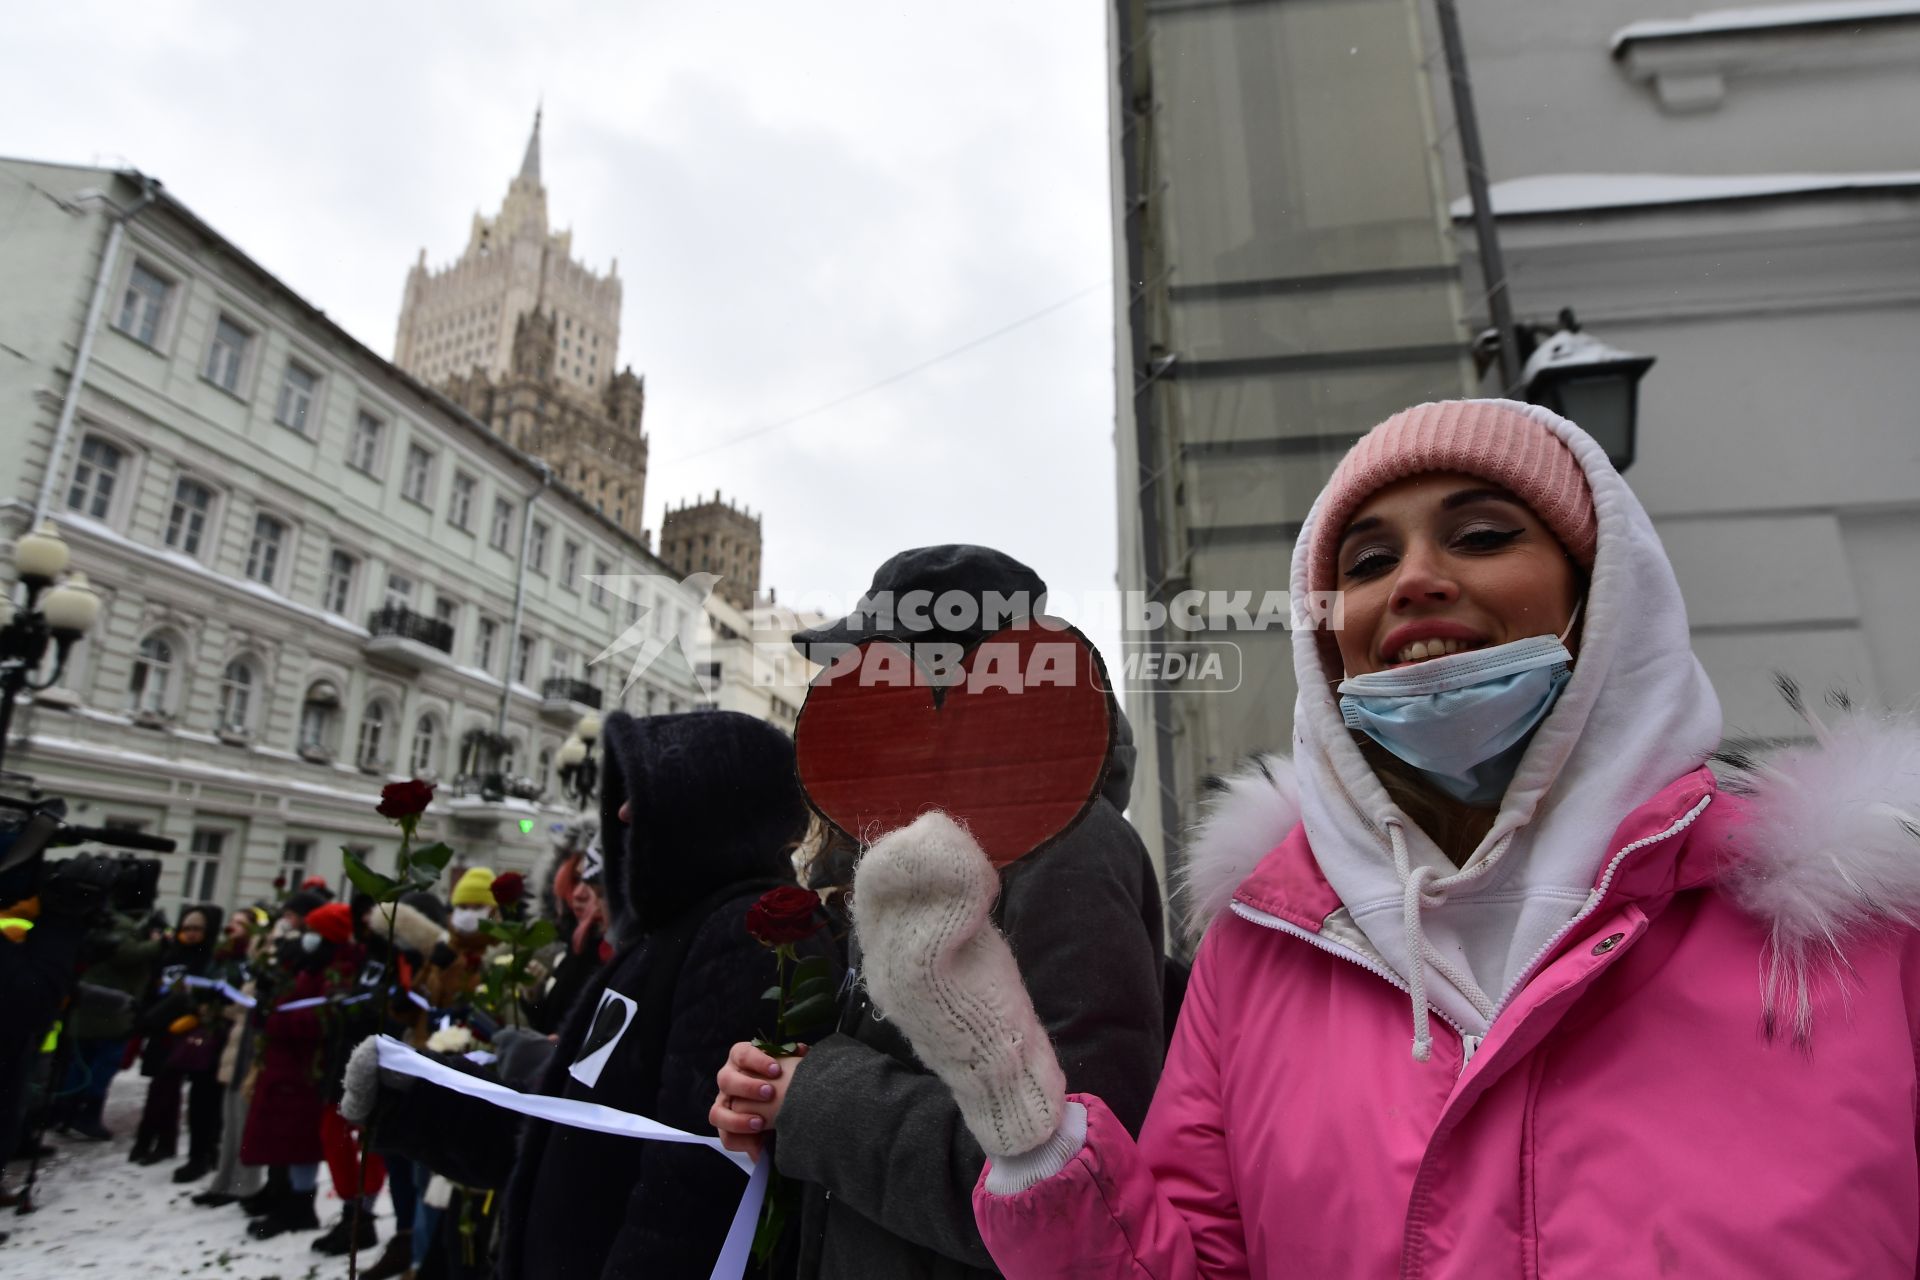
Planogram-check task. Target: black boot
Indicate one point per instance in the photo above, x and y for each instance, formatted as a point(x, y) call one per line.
point(342, 1239)
point(198, 1166)
point(293, 1213)
point(32, 1148)
point(395, 1260)
point(262, 1201)
point(159, 1153)
point(142, 1148)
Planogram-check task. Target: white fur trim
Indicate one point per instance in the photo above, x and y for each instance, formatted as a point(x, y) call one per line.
point(414, 929)
point(1832, 848)
point(1252, 810)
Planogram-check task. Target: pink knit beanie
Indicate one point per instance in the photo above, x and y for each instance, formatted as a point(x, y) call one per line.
point(1483, 438)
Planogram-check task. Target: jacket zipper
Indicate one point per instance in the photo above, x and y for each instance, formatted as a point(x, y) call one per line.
point(1256, 916)
point(1469, 1043)
point(1594, 900)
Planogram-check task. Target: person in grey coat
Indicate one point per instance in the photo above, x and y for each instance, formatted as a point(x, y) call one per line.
point(886, 1162)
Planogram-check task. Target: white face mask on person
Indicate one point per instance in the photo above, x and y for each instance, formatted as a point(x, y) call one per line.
point(1463, 720)
point(467, 919)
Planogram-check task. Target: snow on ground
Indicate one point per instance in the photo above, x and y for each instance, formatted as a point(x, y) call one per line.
point(101, 1215)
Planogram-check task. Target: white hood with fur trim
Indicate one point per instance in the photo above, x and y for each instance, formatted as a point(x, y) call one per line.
point(1638, 713)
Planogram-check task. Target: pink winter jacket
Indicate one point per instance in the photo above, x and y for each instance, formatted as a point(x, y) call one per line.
point(1630, 1114)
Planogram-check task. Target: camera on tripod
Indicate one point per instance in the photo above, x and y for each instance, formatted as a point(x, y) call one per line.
point(35, 826)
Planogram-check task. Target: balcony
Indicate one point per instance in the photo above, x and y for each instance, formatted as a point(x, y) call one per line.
point(564, 699)
point(408, 639)
point(487, 801)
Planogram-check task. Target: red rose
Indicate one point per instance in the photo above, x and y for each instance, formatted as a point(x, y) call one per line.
point(405, 799)
point(509, 888)
point(784, 915)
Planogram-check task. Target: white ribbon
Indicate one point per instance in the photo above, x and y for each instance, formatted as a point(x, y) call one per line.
point(734, 1254)
point(221, 985)
point(246, 1001)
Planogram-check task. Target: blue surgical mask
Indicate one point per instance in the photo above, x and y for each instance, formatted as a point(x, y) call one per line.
point(1462, 720)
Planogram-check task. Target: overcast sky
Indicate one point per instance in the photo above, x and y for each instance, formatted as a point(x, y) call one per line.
point(804, 200)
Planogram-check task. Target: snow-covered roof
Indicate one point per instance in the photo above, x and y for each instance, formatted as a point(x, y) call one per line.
point(1760, 17)
point(187, 564)
point(1567, 192)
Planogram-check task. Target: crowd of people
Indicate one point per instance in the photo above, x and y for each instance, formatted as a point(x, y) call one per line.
point(244, 1022)
point(1493, 976)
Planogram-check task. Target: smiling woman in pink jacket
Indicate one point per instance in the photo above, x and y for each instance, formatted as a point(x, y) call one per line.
point(1497, 979)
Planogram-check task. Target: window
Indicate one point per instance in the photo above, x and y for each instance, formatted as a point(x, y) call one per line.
point(143, 305)
point(537, 547)
point(296, 858)
point(399, 591)
point(523, 658)
point(236, 697)
point(598, 590)
point(296, 397)
point(201, 875)
point(569, 564)
point(483, 649)
point(373, 734)
point(559, 664)
point(460, 509)
point(263, 553)
point(94, 476)
point(447, 611)
point(227, 355)
point(426, 740)
point(418, 475)
point(318, 716)
point(147, 690)
point(340, 572)
point(502, 532)
point(187, 521)
point(363, 454)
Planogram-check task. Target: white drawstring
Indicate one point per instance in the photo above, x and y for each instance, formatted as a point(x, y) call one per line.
point(1423, 887)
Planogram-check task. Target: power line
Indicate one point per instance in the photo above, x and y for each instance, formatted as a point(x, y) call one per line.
point(889, 380)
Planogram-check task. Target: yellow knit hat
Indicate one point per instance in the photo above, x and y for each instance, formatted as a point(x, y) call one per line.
point(475, 888)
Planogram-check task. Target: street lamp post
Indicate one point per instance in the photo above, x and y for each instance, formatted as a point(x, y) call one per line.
point(578, 769)
point(1598, 386)
point(1579, 377)
point(61, 619)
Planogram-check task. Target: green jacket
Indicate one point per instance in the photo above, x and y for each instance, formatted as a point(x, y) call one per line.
point(121, 958)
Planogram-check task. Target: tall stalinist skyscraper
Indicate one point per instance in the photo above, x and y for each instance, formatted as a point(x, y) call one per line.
point(525, 338)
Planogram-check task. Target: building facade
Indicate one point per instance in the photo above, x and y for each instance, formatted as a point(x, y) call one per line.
point(318, 574)
point(751, 665)
point(1728, 191)
point(719, 538)
point(526, 339)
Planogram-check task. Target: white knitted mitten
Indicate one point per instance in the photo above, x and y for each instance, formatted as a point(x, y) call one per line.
point(938, 969)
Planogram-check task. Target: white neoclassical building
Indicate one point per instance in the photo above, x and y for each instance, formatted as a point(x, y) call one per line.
point(318, 574)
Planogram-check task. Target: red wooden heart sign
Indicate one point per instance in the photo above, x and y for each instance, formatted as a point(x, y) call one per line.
point(1012, 744)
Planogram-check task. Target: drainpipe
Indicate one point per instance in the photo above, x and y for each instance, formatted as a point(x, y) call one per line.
point(1474, 160)
point(109, 258)
point(519, 606)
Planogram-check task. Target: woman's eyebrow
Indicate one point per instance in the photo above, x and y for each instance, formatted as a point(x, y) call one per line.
point(1360, 526)
point(1468, 496)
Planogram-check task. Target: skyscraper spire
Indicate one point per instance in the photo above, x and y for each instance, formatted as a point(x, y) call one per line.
point(530, 166)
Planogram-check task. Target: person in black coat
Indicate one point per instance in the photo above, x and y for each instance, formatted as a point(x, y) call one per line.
point(55, 905)
point(182, 1044)
point(886, 1162)
point(699, 813)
